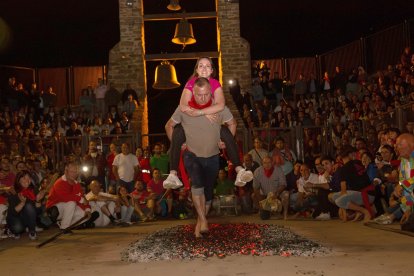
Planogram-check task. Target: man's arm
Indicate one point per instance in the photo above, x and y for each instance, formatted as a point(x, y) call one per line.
point(169, 127)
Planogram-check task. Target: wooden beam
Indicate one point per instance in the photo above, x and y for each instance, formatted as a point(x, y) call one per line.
point(178, 56)
point(178, 16)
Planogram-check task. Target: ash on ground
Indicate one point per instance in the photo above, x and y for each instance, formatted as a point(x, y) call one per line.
point(222, 240)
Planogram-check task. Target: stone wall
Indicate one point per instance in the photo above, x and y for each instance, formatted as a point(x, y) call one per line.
point(126, 59)
point(234, 51)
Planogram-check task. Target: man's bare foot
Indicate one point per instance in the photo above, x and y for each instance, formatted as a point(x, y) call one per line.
point(204, 227)
point(197, 227)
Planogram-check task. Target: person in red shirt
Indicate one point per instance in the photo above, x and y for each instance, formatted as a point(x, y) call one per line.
point(162, 196)
point(144, 201)
point(144, 163)
point(67, 196)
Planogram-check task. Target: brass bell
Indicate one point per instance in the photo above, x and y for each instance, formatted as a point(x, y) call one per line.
point(184, 33)
point(174, 5)
point(165, 76)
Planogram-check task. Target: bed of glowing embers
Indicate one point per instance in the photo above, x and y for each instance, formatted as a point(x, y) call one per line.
point(222, 240)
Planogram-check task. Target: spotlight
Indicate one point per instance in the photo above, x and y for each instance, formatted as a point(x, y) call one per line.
point(231, 82)
point(129, 3)
point(85, 168)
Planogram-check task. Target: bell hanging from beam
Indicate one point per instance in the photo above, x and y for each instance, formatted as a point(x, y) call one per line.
point(184, 33)
point(165, 76)
point(174, 5)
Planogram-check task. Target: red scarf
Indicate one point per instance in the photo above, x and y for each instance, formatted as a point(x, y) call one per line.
point(268, 172)
point(192, 103)
point(28, 193)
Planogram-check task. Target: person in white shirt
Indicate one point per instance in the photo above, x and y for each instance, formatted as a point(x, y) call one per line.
point(103, 203)
point(125, 168)
point(305, 197)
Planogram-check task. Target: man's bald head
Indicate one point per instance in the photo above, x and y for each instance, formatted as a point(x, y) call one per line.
point(405, 145)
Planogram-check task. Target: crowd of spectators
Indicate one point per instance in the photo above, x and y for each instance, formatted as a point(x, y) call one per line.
point(122, 185)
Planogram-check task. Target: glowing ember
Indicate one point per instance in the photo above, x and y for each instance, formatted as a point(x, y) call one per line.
point(222, 240)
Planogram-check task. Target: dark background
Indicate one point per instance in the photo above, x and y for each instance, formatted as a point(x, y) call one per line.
point(49, 33)
point(60, 33)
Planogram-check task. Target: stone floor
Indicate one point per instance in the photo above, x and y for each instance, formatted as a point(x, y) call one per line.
point(356, 249)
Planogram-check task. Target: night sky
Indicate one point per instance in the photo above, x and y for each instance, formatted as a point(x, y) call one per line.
point(81, 32)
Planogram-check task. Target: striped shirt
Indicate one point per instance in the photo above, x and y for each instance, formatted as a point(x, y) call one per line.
point(271, 184)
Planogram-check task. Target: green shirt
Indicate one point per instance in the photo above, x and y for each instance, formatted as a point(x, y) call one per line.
point(225, 187)
point(161, 163)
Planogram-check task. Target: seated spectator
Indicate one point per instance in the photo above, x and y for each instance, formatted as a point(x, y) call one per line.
point(103, 203)
point(270, 179)
point(144, 202)
point(126, 205)
point(305, 198)
point(66, 203)
point(245, 193)
point(224, 186)
point(163, 197)
point(356, 193)
point(22, 211)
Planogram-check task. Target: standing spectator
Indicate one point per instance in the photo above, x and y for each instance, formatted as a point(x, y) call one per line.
point(258, 152)
point(129, 91)
point(100, 92)
point(257, 92)
point(326, 83)
point(113, 151)
point(144, 164)
point(300, 87)
point(159, 160)
point(86, 100)
point(11, 95)
point(95, 163)
point(406, 57)
point(405, 149)
point(49, 97)
point(283, 156)
point(125, 168)
point(112, 97)
point(22, 97)
point(130, 106)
